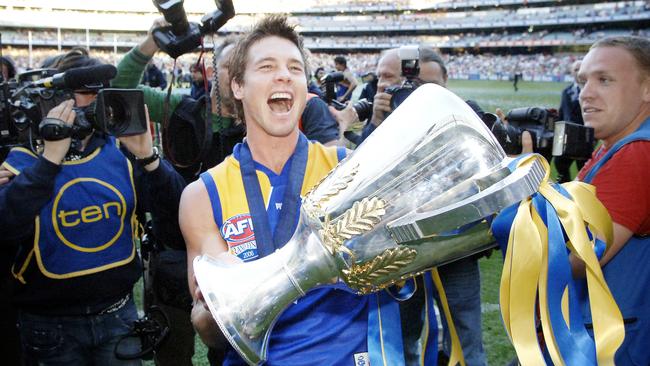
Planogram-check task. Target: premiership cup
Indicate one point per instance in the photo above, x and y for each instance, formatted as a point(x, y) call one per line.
point(418, 193)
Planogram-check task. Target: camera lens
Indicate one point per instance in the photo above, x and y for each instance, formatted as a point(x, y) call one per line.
point(399, 96)
point(117, 115)
point(363, 108)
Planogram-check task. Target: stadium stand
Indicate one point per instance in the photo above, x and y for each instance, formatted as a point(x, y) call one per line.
point(525, 32)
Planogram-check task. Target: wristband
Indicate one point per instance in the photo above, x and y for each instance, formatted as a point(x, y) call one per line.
point(149, 159)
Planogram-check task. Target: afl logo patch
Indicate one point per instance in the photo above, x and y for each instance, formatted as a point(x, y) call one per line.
point(239, 234)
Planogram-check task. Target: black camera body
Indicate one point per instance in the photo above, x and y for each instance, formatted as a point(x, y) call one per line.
point(26, 101)
point(182, 36)
point(410, 59)
point(550, 136)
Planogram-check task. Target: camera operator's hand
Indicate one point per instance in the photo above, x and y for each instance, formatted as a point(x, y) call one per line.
point(148, 47)
point(526, 137)
point(141, 146)
point(380, 108)
point(345, 117)
point(55, 151)
point(5, 175)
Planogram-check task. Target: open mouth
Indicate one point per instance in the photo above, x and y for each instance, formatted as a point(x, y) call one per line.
point(280, 102)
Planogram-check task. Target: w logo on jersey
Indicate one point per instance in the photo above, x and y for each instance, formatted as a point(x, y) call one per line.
point(240, 236)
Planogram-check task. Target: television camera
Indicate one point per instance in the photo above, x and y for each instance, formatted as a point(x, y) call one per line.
point(550, 136)
point(26, 101)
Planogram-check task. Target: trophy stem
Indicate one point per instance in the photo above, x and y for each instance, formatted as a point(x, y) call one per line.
point(246, 299)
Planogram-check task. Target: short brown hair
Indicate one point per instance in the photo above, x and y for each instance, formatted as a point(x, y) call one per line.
point(638, 47)
point(273, 25)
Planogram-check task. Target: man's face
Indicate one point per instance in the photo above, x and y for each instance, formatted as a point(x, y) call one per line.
point(615, 94)
point(389, 71)
point(5, 72)
point(431, 72)
point(197, 75)
point(575, 67)
point(274, 89)
point(224, 79)
point(339, 67)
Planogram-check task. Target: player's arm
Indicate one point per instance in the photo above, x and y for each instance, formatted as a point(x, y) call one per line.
point(201, 237)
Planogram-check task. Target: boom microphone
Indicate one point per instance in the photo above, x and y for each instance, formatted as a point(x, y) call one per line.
point(79, 77)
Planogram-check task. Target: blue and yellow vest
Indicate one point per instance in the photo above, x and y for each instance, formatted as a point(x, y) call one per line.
point(326, 327)
point(628, 276)
point(89, 225)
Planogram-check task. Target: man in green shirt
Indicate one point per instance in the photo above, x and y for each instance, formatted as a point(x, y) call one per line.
point(225, 131)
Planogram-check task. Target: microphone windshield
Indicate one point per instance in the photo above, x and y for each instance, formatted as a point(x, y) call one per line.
point(80, 77)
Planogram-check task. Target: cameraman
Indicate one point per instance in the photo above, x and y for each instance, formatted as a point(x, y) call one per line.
point(570, 112)
point(461, 279)
point(615, 100)
point(72, 214)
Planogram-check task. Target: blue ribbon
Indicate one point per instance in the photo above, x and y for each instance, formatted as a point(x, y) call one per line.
point(574, 343)
point(267, 241)
point(385, 345)
point(430, 345)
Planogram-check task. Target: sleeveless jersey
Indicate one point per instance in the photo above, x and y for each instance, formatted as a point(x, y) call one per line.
point(328, 326)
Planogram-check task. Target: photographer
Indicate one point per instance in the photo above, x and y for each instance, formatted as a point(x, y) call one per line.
point(186, 111)
point(615, 99)
point(461, 279)
point(72, 213)
point(169, 268)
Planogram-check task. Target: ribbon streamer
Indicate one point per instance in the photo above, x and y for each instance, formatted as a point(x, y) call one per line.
point(542, 233)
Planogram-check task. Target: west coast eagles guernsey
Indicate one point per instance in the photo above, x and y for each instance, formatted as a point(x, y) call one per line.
point(328, 326)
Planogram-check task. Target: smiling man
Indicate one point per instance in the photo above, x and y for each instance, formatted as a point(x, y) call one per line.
point(248, 205)
point(615, 99)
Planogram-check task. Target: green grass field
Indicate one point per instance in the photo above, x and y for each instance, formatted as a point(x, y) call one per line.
point(489, 95)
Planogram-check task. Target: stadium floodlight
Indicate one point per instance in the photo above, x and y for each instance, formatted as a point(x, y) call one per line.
point(182, 36)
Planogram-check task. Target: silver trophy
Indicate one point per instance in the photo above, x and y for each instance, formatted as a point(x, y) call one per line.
point(416, 194)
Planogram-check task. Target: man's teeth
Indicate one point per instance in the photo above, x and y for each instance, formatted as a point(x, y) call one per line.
point(281, 96)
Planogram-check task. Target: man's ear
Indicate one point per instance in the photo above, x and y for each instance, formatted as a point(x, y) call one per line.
point(237, 90)
point(645, 90)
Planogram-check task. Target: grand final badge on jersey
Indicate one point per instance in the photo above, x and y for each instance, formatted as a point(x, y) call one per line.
point(238, 233)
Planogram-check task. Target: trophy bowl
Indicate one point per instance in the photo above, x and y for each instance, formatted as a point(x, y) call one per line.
point(418, 193)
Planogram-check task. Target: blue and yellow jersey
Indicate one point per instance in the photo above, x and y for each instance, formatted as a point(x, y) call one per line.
point(89, 224)
point(328, 326)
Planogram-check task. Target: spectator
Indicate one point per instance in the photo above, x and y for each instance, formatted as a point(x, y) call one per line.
point(153, 77)
point(344, 88)
point(199, 85)
point(8, 68)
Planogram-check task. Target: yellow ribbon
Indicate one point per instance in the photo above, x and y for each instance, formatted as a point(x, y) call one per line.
point(525, 272)
point(456, 357)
